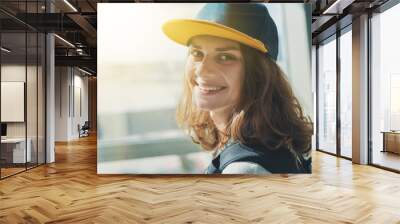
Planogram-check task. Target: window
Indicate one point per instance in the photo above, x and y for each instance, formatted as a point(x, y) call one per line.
point(385, 89)
point(346, 93)
point(327, 96)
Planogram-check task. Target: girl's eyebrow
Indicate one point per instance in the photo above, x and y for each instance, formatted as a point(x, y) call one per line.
point(195, 46)
point(227, 48)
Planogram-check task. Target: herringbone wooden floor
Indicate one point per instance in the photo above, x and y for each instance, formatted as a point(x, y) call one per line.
point(70, 191)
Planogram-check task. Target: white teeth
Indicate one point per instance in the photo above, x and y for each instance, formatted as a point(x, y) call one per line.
point(210, 88)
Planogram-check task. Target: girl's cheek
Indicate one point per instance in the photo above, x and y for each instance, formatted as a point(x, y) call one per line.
point(189, 68)
point(190, 72)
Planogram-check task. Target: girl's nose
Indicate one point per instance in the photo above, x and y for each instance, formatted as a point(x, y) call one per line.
point(204, 68)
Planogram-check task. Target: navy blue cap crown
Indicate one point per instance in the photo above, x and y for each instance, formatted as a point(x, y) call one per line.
point(252, 19)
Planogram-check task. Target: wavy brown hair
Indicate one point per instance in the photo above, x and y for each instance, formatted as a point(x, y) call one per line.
point(268, 114)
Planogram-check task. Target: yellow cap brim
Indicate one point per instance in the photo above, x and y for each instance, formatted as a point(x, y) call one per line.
point(181, 30)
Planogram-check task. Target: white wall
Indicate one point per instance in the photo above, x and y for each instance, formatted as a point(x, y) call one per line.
point(70, 83)
point(80, 89)
point(12, 73)
point(62, 81)
point(33, 126)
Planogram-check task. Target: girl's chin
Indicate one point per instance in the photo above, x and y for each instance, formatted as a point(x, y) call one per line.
point(204, 107)
point(210, 107)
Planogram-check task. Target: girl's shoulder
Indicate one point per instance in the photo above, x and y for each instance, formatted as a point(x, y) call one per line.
point(244, 168)
point(236, 157)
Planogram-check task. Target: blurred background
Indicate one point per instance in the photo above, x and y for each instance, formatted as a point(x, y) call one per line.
point(140, 75)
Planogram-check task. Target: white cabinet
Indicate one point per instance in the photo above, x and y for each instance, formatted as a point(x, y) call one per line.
point(18, 152)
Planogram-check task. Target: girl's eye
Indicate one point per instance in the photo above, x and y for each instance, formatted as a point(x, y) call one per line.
point(226, 58)
point(196, 54)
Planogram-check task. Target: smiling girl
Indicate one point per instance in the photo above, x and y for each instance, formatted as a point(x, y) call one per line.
point(237, 103)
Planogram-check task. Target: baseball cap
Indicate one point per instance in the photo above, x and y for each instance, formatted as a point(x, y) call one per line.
point(247, 23)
